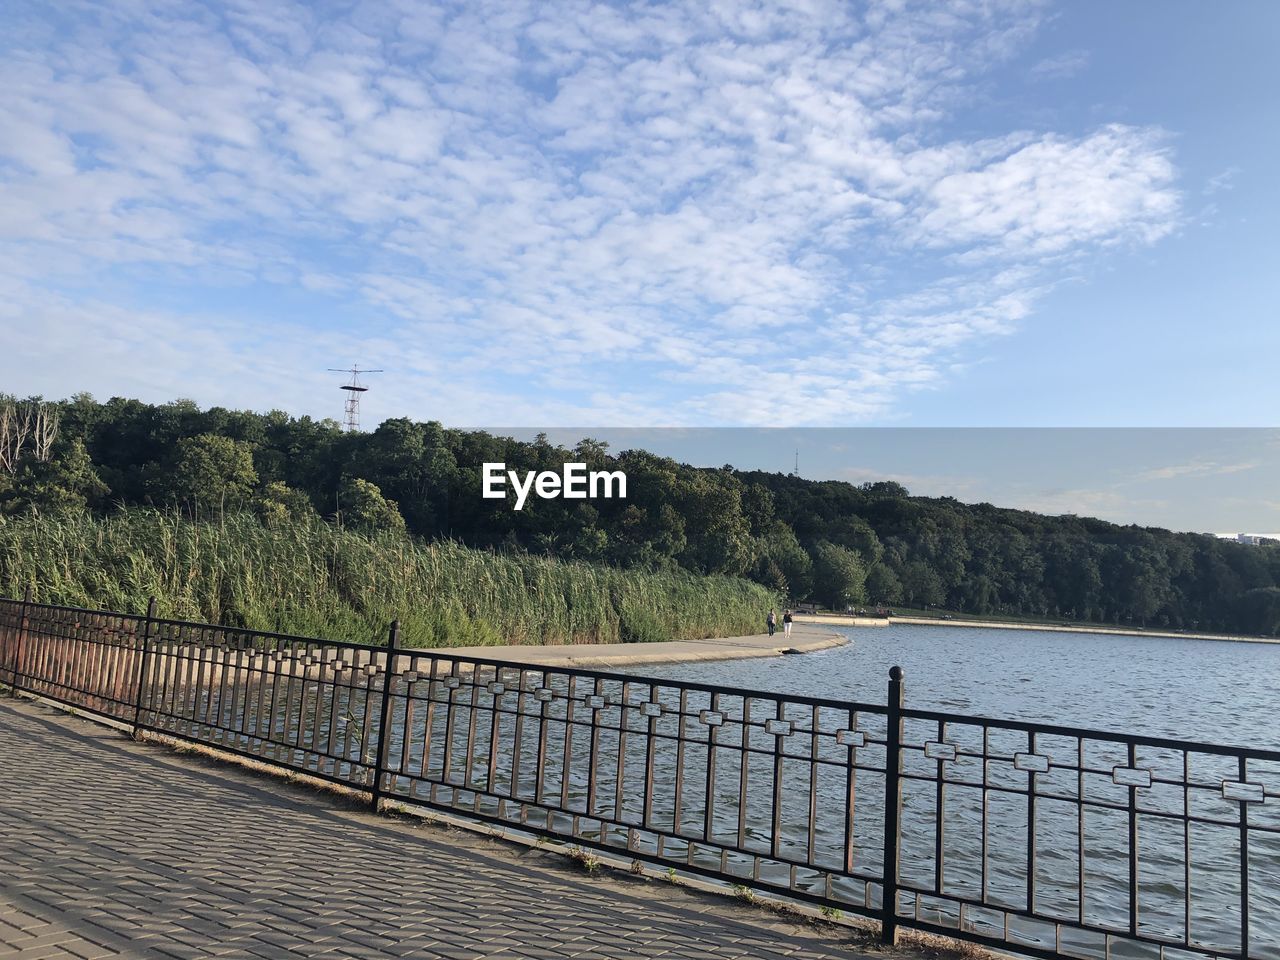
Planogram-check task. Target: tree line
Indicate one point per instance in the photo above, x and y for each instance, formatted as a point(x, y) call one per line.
point(831, 542)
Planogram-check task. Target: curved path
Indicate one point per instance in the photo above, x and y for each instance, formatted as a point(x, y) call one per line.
point(802, 640)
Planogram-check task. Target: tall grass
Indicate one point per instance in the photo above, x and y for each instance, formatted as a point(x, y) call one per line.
point(316, 580)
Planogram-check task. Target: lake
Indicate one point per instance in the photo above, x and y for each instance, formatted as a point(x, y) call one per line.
point(1212, 691)
point(1209, 691)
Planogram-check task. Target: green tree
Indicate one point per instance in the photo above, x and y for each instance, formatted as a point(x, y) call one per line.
point(67, 481)
point(210, 472)
point(839, 577)
point(779, 549)
point(364, 508)
point(921, 585)
point(1260, 609)
point(883, 585)
point(718, 535)
point(278, 504)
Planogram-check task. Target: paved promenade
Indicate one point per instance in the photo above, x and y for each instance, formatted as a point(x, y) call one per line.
point(113, 848)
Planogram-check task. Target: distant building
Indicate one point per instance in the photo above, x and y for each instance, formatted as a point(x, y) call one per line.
point(1252, 539)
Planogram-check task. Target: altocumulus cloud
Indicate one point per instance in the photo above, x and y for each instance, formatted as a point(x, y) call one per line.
point(677, 213)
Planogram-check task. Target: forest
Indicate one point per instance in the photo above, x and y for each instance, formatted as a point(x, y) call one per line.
point(830, 542)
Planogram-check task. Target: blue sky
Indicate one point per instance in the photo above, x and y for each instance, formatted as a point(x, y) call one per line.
point(700, 214)
point(1200, 480)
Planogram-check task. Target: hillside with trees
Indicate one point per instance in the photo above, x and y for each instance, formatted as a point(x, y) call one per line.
point(831, 542)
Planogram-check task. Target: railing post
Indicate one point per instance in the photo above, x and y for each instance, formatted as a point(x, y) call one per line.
point(892, 806)
point(142, 664)
point(19, 641)
point(384, 741)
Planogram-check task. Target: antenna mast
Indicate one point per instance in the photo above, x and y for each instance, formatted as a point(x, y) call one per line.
point(351, 408)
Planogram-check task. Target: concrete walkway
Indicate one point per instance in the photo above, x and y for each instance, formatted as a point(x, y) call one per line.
point(114, 848)
point(803, 639)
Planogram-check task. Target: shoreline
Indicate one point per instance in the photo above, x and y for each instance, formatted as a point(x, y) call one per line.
point(807, 637)
point(802, 640)
point(847, 621)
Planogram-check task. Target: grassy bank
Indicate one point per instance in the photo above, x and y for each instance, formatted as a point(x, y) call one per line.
point(316, 580)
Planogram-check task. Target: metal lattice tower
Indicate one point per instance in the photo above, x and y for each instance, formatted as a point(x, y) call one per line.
point(351, 408)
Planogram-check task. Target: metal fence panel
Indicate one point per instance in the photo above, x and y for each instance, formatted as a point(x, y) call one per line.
point(1053, 841)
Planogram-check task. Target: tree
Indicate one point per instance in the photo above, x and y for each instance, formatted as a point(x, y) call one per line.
point(839, 577)
point(278, 504)
point(751, 523)
point(1260, 609)
point(921, 585)
point(883, 585)
point(780, 549)
point(65, 481)
point(364, 508)
point(210, 472)
point(718, 535)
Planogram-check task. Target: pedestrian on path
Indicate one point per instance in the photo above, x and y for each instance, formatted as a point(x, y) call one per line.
point(786, 624)
point(772, 621)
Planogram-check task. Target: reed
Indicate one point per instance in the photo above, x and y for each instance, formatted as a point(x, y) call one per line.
point(314, 579)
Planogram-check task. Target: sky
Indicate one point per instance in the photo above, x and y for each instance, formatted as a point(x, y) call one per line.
point(984, 213)
point(1196, 480)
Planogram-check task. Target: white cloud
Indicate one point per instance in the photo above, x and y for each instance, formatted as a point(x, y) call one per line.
point(1195, 468)
point(712, 211)
point(1061, 67)
point(1222, 181)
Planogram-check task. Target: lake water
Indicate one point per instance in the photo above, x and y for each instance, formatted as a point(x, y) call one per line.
point(1212, 691)
point(1208, 691)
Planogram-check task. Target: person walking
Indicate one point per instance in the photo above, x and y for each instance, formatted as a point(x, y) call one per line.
point(771, 621)
point(786, 624)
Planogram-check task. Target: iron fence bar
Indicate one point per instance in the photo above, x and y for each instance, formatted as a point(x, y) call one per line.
point(142, 665)
point(986, 814)
point(650, 741)
point(678, 792)
point(427, 725)
point(1031, 831)
point(406, 735)
point(19, 640)
point(709, 805)
point(744, 761)
point(1186, 849)
point(384, 741)
point(775, 803)
point(810, 852)
point(892, 803)
point(939, 808)
point(1244, 865)
point(517, 750)
point(566, 747)
point(1133, 847)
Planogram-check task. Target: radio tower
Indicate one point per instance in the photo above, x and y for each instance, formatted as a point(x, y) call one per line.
point(351, 409)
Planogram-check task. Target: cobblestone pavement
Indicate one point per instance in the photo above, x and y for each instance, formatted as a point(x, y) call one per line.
point(114, 848)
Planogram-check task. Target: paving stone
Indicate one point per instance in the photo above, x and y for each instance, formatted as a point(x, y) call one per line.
point(114, 848)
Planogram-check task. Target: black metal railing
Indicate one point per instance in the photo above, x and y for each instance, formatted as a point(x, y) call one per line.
point(1051, 841)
